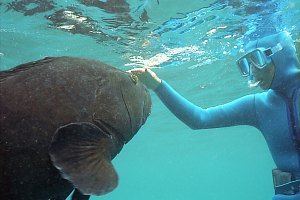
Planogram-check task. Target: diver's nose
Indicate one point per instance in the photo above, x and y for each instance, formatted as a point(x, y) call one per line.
point(253, 69)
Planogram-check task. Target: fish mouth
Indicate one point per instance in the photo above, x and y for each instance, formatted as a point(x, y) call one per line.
point(128, 111)
point(137, 103)
point(117, 139)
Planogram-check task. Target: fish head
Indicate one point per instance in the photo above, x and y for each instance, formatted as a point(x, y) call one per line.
point(123, 103)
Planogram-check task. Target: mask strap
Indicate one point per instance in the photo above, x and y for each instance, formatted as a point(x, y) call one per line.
point(277, 48)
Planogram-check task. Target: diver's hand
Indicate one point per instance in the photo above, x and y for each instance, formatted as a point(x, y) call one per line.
point(146, 76)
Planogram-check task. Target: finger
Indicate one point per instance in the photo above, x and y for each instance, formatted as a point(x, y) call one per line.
point(137, 70)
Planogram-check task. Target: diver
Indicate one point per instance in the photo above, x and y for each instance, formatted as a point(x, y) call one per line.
point(269, 62)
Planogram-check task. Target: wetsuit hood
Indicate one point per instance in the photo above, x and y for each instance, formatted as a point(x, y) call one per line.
point(287, 69)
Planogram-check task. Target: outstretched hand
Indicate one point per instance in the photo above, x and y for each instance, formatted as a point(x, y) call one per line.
point(146, 76)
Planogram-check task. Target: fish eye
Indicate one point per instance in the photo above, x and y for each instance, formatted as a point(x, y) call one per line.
point(134, 78)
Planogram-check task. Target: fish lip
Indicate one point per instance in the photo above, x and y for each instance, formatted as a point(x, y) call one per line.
point(116, 137)
point(128, 112)
point(136, 123)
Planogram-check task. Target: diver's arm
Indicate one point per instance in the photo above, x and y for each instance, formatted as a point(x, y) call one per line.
point(238, 112)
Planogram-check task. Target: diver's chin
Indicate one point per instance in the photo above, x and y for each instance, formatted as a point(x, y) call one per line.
point(264, 86)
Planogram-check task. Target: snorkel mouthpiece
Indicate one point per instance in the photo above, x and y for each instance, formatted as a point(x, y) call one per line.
point(251, 82)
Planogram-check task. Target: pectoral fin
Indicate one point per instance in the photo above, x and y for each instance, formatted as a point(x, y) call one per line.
point(78, 196)
point(81, 152)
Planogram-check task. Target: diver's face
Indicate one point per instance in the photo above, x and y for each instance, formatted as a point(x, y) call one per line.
point(264, 76)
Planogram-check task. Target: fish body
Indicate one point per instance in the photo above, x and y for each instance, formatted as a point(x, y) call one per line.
point(63, 119)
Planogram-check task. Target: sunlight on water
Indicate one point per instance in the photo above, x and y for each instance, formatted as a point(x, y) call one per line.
point(169, 56)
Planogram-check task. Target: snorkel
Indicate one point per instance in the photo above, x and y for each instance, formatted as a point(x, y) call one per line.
point(251, 82)
point(283, 57)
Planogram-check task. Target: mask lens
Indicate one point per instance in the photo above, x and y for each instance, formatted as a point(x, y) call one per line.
point(257, 58)
point(244, 66)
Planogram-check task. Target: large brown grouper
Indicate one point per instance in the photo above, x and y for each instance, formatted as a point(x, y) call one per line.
point(63, 120)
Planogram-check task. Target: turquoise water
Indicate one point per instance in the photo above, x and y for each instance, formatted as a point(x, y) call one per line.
point(196, 44)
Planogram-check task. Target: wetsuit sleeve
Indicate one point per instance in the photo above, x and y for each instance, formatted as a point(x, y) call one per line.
point(238, 112)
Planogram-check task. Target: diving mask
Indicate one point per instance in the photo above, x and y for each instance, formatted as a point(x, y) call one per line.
point(258, 58)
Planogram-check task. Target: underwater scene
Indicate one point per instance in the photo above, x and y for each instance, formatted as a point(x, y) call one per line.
point(193, 46)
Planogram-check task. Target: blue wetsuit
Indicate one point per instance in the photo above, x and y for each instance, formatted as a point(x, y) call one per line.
point(274, 112)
